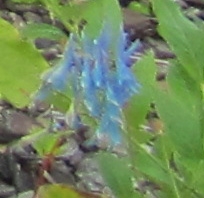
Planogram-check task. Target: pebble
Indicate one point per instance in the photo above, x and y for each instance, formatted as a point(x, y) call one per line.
point(61, 173)
point(17, 20)
point(44, 43)
point(21, 7)
point(6, 191)
point(32, 17)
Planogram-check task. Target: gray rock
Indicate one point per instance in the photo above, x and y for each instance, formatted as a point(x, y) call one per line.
point(46, 19)
point(21, 7)
point(17, 20)
point(51, 54)
point(14, 125)
point(61, 173)
point(32, 17)
point(90, 178)
point(44, 43)
point(6, 190)
point(73, 154)
point(27, 194)
point(5, 14)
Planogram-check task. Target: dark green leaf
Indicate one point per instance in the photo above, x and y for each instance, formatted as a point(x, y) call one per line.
point(184, 37)
point(117, 175)
point(138, 106)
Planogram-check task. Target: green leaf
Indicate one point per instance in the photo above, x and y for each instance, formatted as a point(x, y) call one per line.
point(99, 13)
point(20, 67)
point(192, 173)
point(136, 110)
point(59, 100)
point(183, 36)
point(151, 166)
point(181, 121)
point(42, 30)
point(26, 1)
point(117, 175)
point(139, 7)
point(46, 143)
point(63, 191)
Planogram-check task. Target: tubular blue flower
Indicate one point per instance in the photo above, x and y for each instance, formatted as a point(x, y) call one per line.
point(100, 75)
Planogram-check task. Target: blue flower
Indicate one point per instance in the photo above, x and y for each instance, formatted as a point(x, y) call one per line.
point(100, 75)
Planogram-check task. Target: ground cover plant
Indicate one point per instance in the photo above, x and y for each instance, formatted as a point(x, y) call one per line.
point(97, 84)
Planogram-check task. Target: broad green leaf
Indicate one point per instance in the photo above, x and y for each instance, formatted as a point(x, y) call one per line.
point(63, 191)
point(92, 12)
point(181, 125)
point(179, 108)
point(20, 66)
point(42, 30)
point(136, 110)
point(183, 36)
point(117, 174)
point(99, 13)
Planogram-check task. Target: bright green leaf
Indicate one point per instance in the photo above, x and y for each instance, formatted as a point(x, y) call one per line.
point(20, 66)
point(63, 191)
point(46, 143)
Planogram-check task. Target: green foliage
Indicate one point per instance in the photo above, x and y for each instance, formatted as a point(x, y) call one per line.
point(175, 161)
point(172, 160)
point(185, 38)
point(63, 191)
point(26, 1)
point(137, 108)
point(139, 7)
point(42, 30)
point(60, 101)
point(117, 174)
point(45, 143)
point(20, 67)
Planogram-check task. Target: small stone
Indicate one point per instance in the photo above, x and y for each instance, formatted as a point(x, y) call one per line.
point(61, 173)
point(51, 54)
point(72, 153)
point(21, 7)
point(27, 194)
point(46, 19)
point(17, 20)
point(90, 178)
point(32, 17)
point(44, 43)
point(5, 14)
point(6, 190)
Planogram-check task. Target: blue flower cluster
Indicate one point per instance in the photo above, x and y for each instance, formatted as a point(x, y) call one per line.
point(100, 76)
